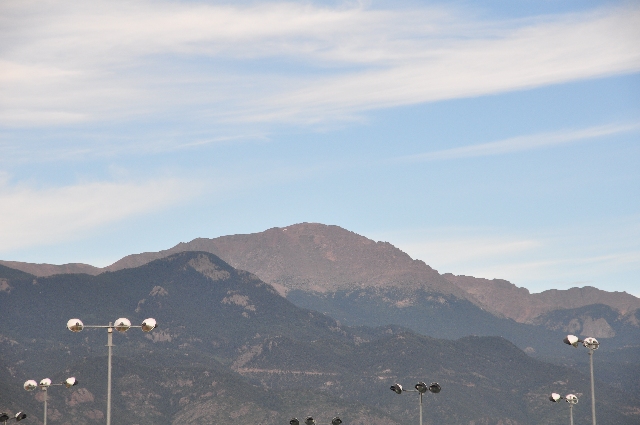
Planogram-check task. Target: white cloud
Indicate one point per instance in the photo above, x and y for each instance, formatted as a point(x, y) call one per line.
point(522, 143)
point(601, 254)
point(65, 62)
point(37, 216)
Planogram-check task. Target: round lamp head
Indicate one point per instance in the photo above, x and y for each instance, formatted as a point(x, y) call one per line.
point(571, 340)
point(422, 387)
point(571, 399)
point(45, 383)
point(309, 421)
point(70, 382)
point(122, 324)
point(149, 324)
point(20, 416)
point(336, 421)
point(75, 325)
point(294, 421)
point(591, 343)
point(30, 385)
point(4, 417)
point(555, 397)
point(435, 388)
point(396, 388)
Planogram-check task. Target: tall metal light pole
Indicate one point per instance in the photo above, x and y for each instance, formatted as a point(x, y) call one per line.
point(44, 385)
point(121, 325)
point(592, 344)
point(421, 388)
point(569, 398)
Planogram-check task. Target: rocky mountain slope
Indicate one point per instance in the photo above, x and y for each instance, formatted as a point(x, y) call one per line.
point(313, 257)
point(502, 297)
point(230, 348)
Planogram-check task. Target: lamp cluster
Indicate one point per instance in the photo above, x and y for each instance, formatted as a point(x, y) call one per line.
point(4, 417)
point(569, 398)
point(592, 345)
point(310, 421)
point(121, 325)
point(31, 385)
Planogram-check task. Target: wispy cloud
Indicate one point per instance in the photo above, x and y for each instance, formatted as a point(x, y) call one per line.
point(522, 143)
point(69, 62)
point(598, 254)
point(38, 216)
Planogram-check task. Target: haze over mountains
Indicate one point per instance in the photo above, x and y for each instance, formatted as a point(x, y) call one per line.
point(229, 346)
point(317, 257)
point(333, 270)
point(260, 311)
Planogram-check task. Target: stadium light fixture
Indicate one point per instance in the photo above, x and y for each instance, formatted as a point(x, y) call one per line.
point(121, 325)
point(310, 421)
point(44, 385)
point(420, 388)
point(4, 417)
point(592, 345)
point(569, 398)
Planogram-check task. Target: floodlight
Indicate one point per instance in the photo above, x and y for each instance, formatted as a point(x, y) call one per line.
point(591, 343)
point(70, 382)
point(336, 421)
point(555, 397)
point(571, 399)
point(75, 325)
point(30, 385)
point(309, 421)
point(20, 416)
point(149, 324)
point(4, 417)
point(421, 387)
point(572, 340)
point(435, 388)
point(45, 383)
point(122, 324)
point(294, 421)
point(396, 388)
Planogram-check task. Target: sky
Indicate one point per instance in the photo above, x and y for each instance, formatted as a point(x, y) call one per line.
point(491, 138)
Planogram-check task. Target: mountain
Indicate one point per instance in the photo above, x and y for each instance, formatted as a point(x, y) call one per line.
point(42, 270)
point(312, 257)
point(230, 347)
point(362, 282)
point(503, 298)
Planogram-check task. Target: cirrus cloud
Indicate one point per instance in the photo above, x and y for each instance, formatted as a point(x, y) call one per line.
point(67, 62)
point(36, 216)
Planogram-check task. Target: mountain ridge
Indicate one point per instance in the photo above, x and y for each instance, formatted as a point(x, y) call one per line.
point(229, 346)
point(319, 258)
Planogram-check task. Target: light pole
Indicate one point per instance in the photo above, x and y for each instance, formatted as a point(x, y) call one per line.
point(592, 344)
point(421, 388)
point(121, 325)
point(311, 421)
point(4, 417)
point(569, 398)
point(44, 385)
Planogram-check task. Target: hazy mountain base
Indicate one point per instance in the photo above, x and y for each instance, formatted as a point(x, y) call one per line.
point(448, 317)
point(215, 320)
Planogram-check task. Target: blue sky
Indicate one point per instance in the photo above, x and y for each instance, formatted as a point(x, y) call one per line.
point(497, 139)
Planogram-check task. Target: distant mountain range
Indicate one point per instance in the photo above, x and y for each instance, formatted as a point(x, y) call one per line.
point(321, 258)
point(363, 282)
point(229, 347)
